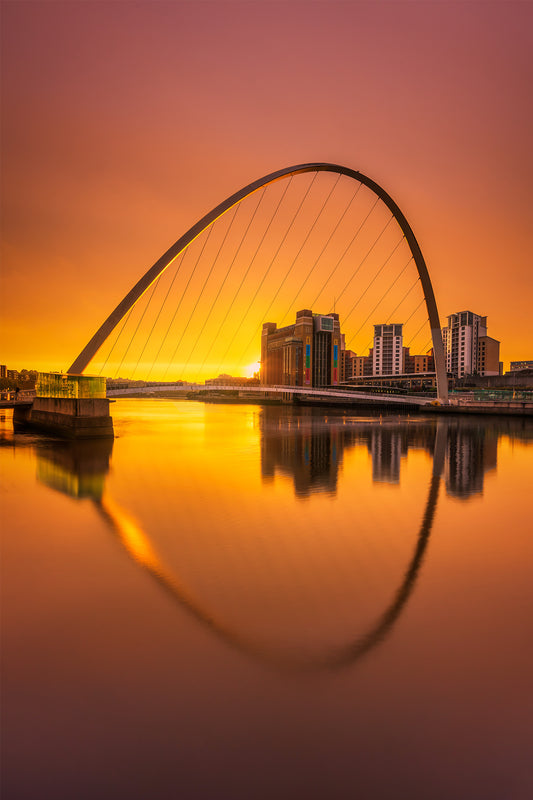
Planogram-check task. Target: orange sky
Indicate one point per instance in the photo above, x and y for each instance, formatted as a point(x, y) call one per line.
point(124, 123)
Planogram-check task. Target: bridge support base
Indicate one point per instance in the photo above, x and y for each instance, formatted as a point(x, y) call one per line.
point(69, 418)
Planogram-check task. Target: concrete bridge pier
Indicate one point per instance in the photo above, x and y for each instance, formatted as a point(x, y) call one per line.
point(70, 418)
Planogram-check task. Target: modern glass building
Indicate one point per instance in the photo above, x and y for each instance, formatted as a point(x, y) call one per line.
point(60, 384)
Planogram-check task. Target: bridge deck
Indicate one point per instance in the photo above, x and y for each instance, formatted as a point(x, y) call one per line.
point(338, 394)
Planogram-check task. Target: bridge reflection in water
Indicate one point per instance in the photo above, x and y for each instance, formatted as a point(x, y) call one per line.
point(310, 448)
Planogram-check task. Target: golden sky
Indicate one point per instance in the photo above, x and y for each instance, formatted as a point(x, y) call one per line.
point(124, 123)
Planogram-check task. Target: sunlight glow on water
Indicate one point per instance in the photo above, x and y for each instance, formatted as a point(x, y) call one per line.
point(264, 601)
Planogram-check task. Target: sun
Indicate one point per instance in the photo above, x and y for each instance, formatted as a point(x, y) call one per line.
point(251, 369)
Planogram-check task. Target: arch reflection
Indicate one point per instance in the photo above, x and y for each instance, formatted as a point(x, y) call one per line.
point(80, 472)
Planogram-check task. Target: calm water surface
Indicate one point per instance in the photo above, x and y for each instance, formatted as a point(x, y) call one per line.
point(241, 602)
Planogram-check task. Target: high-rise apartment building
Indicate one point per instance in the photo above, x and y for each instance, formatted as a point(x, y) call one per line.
point(388, 350)
point(468, 349)
point(308, 353)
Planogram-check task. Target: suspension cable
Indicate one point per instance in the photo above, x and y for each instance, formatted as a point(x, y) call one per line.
point(358, 331)
point(269, 268)
point(420, 328)
point(321, 254)
point(185, 292)
point(348, 315)
point(237, 207)
point(278, 290)
point(354, 237)
point(366, 256)
point(185, 253)
point(158, 315)
point(155, 283)
point(408, 292)
point(400, 303)
point(116, 339)
point(228, 309)
point(202, 289)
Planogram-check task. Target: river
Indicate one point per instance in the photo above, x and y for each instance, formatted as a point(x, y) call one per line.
point(254, 602)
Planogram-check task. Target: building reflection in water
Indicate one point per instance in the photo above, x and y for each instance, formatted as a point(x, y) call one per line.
point(308, 446)
point(470, 452)
point(300, 444)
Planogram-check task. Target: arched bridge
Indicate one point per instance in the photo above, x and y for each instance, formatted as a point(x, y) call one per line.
point(356, 292)
point(321, 393)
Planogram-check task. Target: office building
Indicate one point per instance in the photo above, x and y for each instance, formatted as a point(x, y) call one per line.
point(307, 353)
